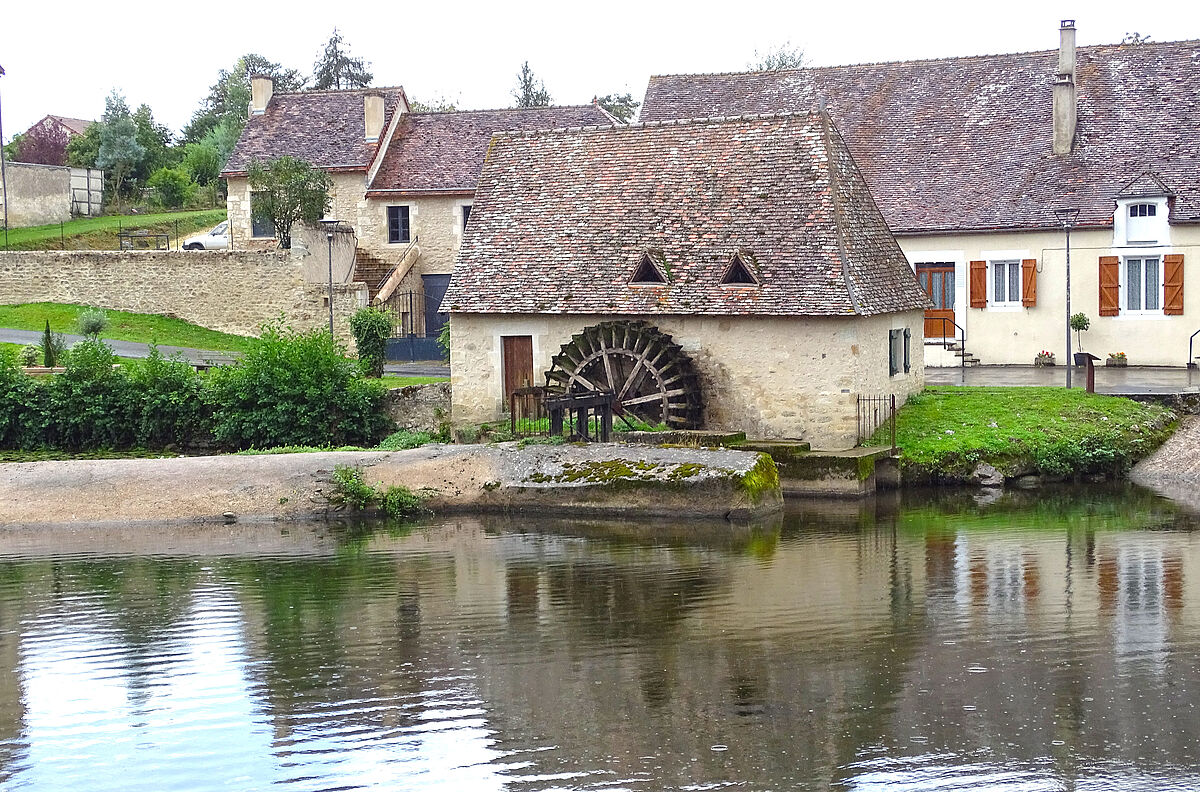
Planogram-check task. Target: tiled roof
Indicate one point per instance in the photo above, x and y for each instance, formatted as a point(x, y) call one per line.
point(445, 151)
point(77, 126)
point(1146, 185)
point(966, 143)
point(325, 128)
point(562, 220)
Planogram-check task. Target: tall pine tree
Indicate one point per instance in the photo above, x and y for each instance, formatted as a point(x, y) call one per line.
point(336, 69)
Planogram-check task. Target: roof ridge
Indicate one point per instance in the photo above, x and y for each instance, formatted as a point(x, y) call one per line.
point(915, 61)
point(328, 91)
point(500, 109)
point(669, 122)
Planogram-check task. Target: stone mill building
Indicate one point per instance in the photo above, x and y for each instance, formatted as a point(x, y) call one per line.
point(730, 273)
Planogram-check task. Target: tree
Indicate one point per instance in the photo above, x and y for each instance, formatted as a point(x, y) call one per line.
point(530, 91)
point(120, 151)
point(155, 140)
point(83, 149)
point(229, 96)
point(45, 144)
point(784, 56)
point(287, 191)
point(620, 106)
point(12, 149)
point(438, 104)
point(173, 187)
point(336, 69)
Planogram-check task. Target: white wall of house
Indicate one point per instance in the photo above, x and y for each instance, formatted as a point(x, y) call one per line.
point(1009, 333)
point(776, 377)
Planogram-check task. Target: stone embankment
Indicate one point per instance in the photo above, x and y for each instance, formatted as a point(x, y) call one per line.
point(1174, 469)
point(609, 479)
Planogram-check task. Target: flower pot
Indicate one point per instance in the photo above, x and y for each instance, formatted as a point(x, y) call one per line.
point(1117, 362)
point(1043, 360)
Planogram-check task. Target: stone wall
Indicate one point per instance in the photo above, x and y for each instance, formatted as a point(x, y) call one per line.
point(233, 292)
point(436, 221)
point(769, 377)
point(37, 194)
point(420, 408)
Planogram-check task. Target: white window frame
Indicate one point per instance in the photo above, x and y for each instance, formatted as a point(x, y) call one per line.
point(1008, 258)
point(1123, 291)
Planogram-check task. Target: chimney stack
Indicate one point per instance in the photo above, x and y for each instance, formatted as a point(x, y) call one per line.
point(372, 115)
point(1064, 91)
point(261, 88)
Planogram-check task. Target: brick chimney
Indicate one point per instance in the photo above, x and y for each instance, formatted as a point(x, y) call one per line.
point(372, 115)
point(261, 88)
point(1064, 91)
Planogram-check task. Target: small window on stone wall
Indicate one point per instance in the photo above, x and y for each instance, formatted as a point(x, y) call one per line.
point(899, 356)
point(260, 227)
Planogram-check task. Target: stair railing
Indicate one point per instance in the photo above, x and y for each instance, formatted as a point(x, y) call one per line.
point(1191, 361)
point(959, 337)
point(399, 261)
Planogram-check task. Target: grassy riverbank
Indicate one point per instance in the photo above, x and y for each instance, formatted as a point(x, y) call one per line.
point(945, 433)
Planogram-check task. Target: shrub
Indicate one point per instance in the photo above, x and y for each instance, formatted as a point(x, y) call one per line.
point(20, 404)
point(404, 439)
point(372, 328)
point(91, 322)
point(401, 503)
point(29, 355)
point(173, 187)
point(167, 408)
point(294, 388)
point(90, 401)
point(443, 340)
point(350, 489)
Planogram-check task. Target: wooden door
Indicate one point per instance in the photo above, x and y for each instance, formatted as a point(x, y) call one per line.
point(518, 364)
point(937, 279)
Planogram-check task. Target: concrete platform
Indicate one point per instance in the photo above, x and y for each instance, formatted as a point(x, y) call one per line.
point(1109, 380)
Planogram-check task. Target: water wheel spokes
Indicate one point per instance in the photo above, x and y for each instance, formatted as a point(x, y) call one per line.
point(652, 378)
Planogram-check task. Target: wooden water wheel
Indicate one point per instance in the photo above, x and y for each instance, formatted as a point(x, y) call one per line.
point(651, 376)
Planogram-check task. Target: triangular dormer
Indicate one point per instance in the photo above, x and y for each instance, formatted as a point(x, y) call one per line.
point(738, 274)
point(647, 273)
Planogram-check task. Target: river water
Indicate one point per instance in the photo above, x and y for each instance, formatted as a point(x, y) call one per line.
point(1048, 641)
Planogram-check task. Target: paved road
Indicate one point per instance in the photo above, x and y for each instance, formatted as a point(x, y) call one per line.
point(1131, 379)
point(133, 349)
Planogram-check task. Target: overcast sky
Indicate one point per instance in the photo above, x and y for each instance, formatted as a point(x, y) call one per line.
point(64, 57)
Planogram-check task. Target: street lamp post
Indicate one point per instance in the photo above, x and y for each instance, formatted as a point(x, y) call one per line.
point(330, 228)
point(1066, 218)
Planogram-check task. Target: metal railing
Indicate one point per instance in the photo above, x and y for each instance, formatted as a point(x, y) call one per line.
point(399, 261)
point(527, 412)
point(1191, 363)
point(872, 413)
point(959, 338)
point(585, 417)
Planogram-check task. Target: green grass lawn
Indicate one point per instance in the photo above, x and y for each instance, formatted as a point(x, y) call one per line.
point(945, 432)
point(399, 381)
point(122, 326)
point(100, 233)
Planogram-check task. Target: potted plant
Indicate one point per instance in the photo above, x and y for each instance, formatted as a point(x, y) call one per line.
point(1116, 359)
point(1044, 358)
point(1079, 323)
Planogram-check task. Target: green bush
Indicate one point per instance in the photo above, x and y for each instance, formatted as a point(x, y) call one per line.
point(29, 355)
point(372, 328)
point(294, 388)
point(401, 503)
point(91, 322)
point(443, 340)
point(350, 490)
point(173, 187)
point(90, 401)
point(167, 408)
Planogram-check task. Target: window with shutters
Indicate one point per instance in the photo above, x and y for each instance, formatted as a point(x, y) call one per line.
point(899, 351)
point(1005, 283)
point(1141, 285)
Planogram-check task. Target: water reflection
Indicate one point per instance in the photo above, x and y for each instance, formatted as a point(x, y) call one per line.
point(1029, 642)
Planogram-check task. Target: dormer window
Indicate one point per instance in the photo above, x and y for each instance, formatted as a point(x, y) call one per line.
point(1142, 210)
point(1143, 213)
point(647, 273)
point(738, 274)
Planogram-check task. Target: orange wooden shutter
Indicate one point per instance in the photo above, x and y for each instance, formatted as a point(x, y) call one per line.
point(1029, 282)
point(1110, 286)
point(1173, 284)
point(978, 284)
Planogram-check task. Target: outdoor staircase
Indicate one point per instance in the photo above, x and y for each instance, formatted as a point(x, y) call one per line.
point(947, 354)
point(371, 270)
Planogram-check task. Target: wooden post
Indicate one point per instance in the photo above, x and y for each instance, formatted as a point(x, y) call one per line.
point(893, 423)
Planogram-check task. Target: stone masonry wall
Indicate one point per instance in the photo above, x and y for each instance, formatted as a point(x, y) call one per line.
point(420, 408)
point(233, 292)
point(770, 377)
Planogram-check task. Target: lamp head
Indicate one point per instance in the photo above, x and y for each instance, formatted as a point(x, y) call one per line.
point(1067, 216)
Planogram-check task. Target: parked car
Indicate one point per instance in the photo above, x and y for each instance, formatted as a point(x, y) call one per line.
point(216, 239)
